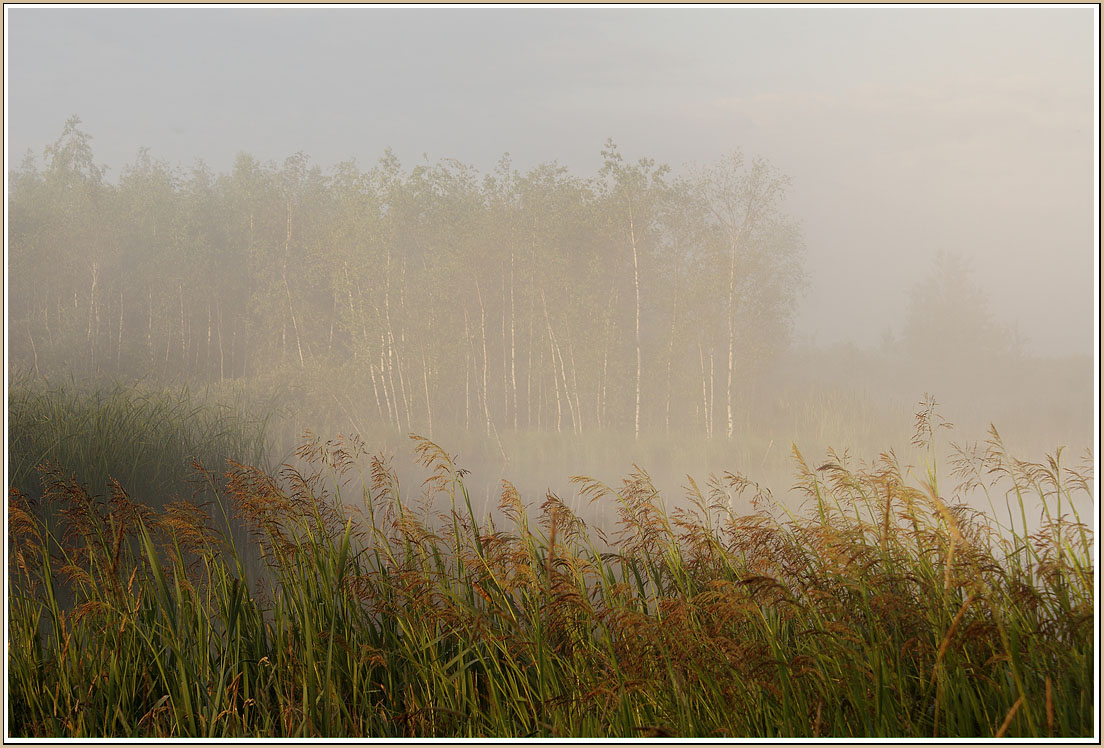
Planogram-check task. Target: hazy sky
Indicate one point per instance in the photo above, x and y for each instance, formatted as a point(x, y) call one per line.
point(905, 130)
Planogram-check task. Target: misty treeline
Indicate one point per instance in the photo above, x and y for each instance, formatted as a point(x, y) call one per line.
point(636, 299)
point(633, 299)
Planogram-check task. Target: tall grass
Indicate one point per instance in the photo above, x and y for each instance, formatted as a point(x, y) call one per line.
point(144, 436)
point(884, 608)
point(95, 438)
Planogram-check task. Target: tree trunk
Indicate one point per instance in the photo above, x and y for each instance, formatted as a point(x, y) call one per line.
point(210, 331)
point(183, 332)
point(232, 362)
point(294, 322)
point(93, 316)
point(222, 353)
point(540, 370)
point(393, 359)
point(196, 348)
point(394, 362)
point(556, 352)
point(737, 233)
point(34, 349)
point(513, 350)
point(601, 387)
point(636, 290)
point(119, 349)
point(46, 318)
point(671, 350)
point(555, 381)
point(712, 395)
point(333, 321)
point(505, 360)
point(467, 373)
point(429, 406)
point(705, 396)
point(529, 367)
point(149, 327)
point(375, 392)
point(483, 333)
point(407, 399)
point(575, 385)
point(388, 379)
point(604, 378)
point(731, 336)
point(287, 288)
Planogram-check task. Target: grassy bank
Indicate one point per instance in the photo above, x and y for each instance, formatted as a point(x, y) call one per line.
point(882, 609)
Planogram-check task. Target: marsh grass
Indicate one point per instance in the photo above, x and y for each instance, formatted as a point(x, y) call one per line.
point(144, 436)
point(70, 439)
point(882, 608)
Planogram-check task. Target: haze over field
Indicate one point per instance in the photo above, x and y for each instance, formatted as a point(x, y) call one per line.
point(862, 206)
point(551, 372)
point(906, 131)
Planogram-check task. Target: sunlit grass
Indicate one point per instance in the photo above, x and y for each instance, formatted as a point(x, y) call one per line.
point(884, 608)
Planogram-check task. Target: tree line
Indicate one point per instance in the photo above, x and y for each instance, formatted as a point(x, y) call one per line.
point(635, 299)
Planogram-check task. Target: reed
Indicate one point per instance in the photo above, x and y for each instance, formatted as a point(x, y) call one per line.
point(885, 607)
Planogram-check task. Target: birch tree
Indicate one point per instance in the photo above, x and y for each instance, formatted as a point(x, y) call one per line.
point(762, 257)
point(634, 191)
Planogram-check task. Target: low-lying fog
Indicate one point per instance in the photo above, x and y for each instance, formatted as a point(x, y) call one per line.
point(805, 221)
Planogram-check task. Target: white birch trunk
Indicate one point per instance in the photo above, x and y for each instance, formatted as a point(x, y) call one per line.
point(483, 335)
point(636, 290)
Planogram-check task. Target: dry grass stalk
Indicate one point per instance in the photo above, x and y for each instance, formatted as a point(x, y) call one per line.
point(1008, 718)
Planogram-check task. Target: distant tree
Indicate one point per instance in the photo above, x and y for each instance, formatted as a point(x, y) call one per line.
point(70, 157)
point(60, 249)
point(759, 259)
point(147, 217)
point(949, 322)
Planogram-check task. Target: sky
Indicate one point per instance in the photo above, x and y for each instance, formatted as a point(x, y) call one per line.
point(906, 131)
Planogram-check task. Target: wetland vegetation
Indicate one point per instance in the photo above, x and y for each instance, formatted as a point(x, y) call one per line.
point(187, 559)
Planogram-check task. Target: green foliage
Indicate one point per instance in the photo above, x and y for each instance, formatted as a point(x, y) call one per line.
point(885, 610)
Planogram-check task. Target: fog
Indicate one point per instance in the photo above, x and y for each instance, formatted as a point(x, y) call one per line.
point(566, 241)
